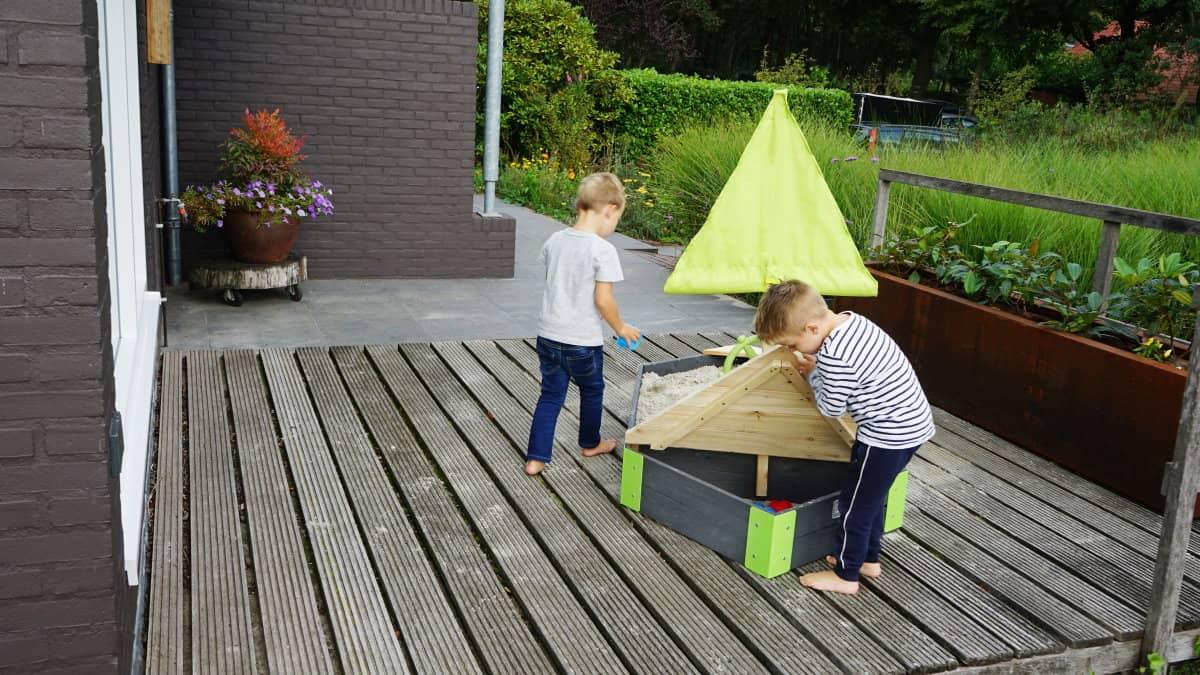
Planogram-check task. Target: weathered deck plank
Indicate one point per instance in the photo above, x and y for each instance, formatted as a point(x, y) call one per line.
point(365, 638)
point(1067, 570)
point(1132, 565)
point(1055, 615)
point(561, 619)
point(739, 607)
point(168, 602)
point(484, 602)
point(1007, 563)
point(1025, 638)
point(1052, 494)
point(631, 628)
point(670, 344)
point(428, 628)
point(692, 623)
point(1135, 513)
point(291, 622)
point(222, 639)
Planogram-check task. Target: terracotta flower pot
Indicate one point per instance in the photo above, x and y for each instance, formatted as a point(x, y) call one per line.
point(263, 244)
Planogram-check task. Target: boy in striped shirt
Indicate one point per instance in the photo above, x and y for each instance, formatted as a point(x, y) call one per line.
point(853, 366)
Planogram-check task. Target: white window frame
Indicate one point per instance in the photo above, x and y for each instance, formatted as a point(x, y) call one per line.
point(134, 311)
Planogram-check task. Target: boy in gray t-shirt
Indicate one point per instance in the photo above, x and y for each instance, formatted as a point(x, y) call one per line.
point(581, 268)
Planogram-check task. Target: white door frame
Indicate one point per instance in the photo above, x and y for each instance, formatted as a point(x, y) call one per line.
point(134, 310)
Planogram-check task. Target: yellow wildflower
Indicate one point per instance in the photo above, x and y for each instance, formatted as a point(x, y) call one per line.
point(641, 190)
point(571, 174)
point(627, 180)
point(649, 204)
point(643, 175)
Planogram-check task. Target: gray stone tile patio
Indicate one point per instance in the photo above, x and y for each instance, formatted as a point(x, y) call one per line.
point(345, 312)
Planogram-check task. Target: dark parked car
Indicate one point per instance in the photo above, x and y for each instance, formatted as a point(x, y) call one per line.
point(907, 134)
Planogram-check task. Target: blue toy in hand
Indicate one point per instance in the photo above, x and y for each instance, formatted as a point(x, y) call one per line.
point(622, 343)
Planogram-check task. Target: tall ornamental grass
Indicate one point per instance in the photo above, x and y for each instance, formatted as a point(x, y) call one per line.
point(688, 171)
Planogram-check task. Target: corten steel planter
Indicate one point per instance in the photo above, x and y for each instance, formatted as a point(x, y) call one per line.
point(262, 244)
point(1106, 414)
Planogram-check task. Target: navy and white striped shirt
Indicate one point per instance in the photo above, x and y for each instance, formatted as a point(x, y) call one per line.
point(860, 369)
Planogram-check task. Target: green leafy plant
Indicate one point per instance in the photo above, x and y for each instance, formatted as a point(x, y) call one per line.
point(1155, 664)
point(796, 69)
point(1153, 348)
point(1079, 310)
point(664, 105)
point(559, 90)
point(1006, 273)
point(540, 184)
point(1156, 295)
point(912, 250)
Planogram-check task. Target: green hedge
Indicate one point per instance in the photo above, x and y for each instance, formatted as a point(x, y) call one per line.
point(667, 104)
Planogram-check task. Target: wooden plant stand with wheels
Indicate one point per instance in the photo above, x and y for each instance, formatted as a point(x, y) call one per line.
point(231, 277)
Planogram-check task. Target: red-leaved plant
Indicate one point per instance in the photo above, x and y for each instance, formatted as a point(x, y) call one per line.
point(260, 160)
point(264, 149)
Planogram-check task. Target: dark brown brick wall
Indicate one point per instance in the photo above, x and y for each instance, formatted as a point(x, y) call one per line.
point(57, 568)
point(385, 92)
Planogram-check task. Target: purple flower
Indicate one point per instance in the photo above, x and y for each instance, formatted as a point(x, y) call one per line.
point(316, 184)
point(569, 80)
point(237, 192)
point(271, 208)
point(287, 210)
point(261, 193)
point(271, 188)
point(258, 205)
point(312, 211)
point(220, 223)
point(221, 201)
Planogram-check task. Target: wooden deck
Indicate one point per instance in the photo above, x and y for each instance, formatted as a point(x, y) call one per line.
point(363, 509)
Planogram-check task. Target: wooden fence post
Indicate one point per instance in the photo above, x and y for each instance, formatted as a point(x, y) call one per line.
point(1102, 278)
point(1181, 482)
point(879, 225)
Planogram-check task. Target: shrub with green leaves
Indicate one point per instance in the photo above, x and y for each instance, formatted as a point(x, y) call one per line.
point(664, 105)
point(1156, 294)
point(559, 88)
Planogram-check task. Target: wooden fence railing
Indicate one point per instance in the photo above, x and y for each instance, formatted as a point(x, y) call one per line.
point(1181, 477)
point(1111, 217)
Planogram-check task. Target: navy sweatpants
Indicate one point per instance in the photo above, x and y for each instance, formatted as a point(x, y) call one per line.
point(872, 471)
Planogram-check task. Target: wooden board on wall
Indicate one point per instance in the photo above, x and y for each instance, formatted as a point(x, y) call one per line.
point(158, 31)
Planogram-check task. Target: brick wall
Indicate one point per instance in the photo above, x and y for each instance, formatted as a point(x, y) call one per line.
point(385, 91)
point(57, 569)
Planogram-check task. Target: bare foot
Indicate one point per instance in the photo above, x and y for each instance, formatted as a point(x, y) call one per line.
point(870, 570)
point(534, 467)
point(605, 446)
point(829, 581)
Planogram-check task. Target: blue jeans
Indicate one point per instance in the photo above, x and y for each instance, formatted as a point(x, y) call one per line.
point(560, 364)
point(872, 471)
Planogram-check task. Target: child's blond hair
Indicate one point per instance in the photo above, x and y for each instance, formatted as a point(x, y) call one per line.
point(785, 308)
point(599, 190)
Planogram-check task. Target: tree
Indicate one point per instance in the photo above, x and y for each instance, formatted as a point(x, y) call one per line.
point(658, 33)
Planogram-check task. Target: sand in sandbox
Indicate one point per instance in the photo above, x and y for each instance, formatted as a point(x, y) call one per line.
point(659, 392)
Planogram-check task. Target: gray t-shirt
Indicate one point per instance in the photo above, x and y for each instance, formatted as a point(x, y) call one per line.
point(574, 262)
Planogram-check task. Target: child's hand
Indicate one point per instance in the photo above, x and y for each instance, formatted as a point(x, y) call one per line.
point(630, 333)
point(807, 363)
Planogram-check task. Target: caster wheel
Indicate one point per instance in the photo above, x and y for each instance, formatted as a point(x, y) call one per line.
point(295, 292)
point(232, 297)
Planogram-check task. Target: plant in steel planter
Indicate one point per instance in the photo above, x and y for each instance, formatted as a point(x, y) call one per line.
point(264, 197)
point(1014, 341)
